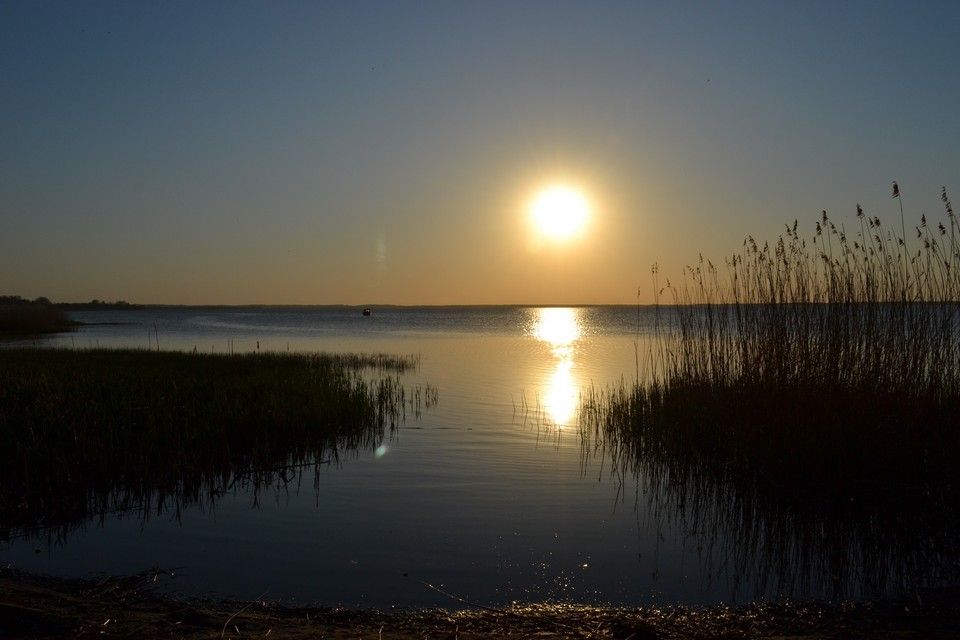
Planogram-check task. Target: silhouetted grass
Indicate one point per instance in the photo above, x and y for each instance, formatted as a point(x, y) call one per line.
point(838, 359)
point(809, 389)
point(30, 318)
point(94, 431)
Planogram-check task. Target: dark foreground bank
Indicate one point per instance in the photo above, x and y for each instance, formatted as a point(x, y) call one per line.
point(119, 607)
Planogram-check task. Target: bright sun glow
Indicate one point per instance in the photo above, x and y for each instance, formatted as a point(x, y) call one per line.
point(560, 212)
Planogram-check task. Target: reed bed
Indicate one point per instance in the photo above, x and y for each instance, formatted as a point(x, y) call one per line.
point(834, 362)
point(807, 389)
point(25, 318)
point(89, 432)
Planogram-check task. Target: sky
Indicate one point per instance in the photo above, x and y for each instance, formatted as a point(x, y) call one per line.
point(367, 153)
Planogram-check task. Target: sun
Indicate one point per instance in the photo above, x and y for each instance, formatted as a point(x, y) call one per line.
point(560, 212)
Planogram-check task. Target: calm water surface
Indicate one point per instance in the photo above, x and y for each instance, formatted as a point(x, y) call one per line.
point(488, 495)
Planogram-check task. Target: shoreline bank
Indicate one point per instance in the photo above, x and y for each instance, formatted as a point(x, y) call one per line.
point(37, 606)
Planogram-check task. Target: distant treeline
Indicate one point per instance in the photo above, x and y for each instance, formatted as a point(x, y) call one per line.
point(20, 316)
point(93, 304)
point(99, 304)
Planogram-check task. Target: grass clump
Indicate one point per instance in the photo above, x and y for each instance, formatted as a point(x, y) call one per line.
point(96, 431)
point(809, 388)
point(22, 317)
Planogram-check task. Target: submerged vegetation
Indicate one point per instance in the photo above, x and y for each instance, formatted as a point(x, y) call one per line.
point(803, 402)
point(90, 432)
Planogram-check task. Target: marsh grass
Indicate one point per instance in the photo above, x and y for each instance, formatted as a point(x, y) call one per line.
point(28, 318)
point(803, 399)
point(89, 432)
point(834, 363)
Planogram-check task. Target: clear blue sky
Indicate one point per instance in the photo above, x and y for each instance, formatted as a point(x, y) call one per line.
point(365, 153)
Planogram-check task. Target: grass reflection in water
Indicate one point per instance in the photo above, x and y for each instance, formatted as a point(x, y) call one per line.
point(87, 433)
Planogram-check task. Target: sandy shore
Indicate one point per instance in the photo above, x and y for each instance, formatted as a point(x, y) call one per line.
point(126, 607)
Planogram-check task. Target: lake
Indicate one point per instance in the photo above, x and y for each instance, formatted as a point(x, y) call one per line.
point(493, 495)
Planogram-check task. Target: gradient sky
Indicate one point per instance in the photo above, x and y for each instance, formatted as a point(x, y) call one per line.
point(374, 153)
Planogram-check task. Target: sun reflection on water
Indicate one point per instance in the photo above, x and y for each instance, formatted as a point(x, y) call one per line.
point(559, 328)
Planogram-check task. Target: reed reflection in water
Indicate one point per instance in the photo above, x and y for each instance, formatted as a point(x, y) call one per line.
point(560, 328)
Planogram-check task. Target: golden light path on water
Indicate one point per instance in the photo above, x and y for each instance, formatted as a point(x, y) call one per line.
point(559, 328)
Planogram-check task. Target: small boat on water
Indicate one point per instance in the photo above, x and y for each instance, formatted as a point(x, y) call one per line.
point(368, 311)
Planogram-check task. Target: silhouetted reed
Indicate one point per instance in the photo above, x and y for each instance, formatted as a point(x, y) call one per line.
point(89, 432)
point(842, 356)
point(803, 401)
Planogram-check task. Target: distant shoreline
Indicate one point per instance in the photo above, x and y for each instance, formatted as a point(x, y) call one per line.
point(97, 306)
point(85, 306)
